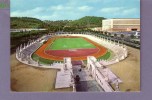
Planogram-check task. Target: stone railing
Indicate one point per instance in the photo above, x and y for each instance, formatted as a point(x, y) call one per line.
point(119, 50)
point(24, 52)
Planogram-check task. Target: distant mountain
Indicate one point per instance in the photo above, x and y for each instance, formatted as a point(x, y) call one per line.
point(60, 23)
point(26, 22)
point(87, 21)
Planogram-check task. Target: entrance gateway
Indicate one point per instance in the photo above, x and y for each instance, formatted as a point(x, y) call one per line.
point(95, 75)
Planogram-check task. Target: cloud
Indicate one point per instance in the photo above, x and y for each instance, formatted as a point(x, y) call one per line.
point(60, 7)
point(85, 8)
point(54, 12)
point(111, 9)
point(74, 9)
point(30, 13)
point(95, 1)
point(69, 7)
point(37, 10)
point(130, 11)
point(119, 11)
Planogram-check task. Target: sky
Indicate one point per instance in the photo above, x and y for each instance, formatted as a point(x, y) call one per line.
point(75, 9)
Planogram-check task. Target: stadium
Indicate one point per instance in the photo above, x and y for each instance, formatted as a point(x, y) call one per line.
point(69, 53)
point(53, 48)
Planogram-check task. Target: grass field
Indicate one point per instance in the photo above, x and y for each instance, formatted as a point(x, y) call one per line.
point(41, 60)
point(48, 62)
point(70, 43)
point(106, 56)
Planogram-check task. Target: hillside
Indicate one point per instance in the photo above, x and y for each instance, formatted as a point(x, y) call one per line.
point(53, 26)
point(26, 22)
point(87, 21)
point(57, 23)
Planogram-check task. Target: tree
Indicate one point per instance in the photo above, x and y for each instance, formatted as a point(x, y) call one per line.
point(132, 36)
point(115, 35)
point(122, 35)
point(106, 33)
point(109, 34)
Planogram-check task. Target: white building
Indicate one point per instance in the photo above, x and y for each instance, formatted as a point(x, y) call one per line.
point(121, 25)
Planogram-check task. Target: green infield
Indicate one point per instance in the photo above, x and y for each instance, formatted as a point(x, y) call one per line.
point(70, 43)
point(106, 56)
point(41, 60)
point(35, 57)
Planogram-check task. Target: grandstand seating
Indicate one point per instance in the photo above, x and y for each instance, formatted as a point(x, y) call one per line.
point(24, 53)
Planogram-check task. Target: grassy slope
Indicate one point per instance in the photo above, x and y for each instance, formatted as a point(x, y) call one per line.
point(42, 60)
point(26, 22)
point(70, 43)
point(87, 21)
point(53, 26)
point(106, 56)
point(47, 62)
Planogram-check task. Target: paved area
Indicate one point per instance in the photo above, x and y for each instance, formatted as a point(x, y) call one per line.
point(63, 79)
point(88, 86)
point(84, 74)
point(87, 83)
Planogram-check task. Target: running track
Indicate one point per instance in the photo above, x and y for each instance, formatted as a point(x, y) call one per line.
point(78, 54)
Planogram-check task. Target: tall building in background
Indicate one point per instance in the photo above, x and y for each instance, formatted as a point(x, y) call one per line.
point(121, 25)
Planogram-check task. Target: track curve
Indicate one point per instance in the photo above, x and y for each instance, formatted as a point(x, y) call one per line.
point(78, 54)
